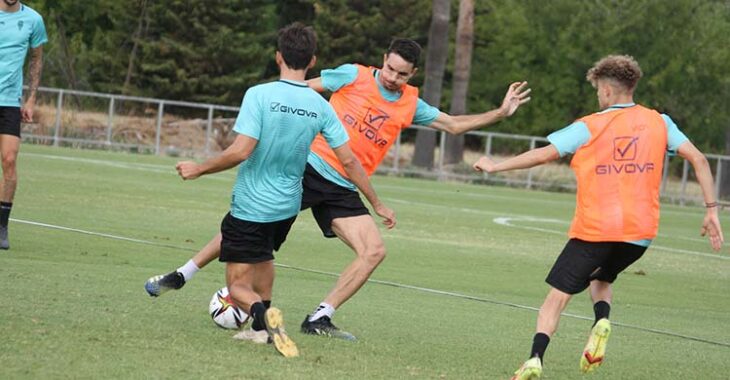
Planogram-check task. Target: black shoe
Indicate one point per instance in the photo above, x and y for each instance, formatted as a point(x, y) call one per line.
point(323, 326)
point(160, 284)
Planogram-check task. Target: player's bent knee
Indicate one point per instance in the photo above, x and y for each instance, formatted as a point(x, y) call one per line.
point(375, 255)
point(9, 161)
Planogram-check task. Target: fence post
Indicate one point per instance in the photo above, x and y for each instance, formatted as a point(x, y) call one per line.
point(487, 152)
point(529, 171)
point(442, 148)
point(718, 177)
point(59, 109)
point(160, 109)
point(665, 175)
point(685, 172)
point(208, 130)
point(396, 158)
point(110, 121)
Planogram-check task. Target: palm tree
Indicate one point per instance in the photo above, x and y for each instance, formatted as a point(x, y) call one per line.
point(438, 51)
point(454, 145)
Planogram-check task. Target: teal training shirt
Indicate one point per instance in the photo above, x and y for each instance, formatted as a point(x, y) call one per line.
point(333, 80)
point(284, 117)
point(18, 31)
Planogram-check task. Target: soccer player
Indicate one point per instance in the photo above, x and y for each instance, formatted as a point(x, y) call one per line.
point(374, 105)
point(618, 155)
point(276, 126)
point(21, 28)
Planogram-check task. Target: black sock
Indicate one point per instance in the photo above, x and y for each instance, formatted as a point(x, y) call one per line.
point(601, 309)
point(5, 213)
point(258, 310)
point(539, 345)
point(267, 303)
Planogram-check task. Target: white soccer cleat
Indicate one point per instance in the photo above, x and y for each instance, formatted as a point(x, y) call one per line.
point(261, 336)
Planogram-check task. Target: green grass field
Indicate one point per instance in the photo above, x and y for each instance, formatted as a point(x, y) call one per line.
point(72, 305)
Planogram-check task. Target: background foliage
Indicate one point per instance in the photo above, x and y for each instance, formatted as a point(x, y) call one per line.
point(212, 51)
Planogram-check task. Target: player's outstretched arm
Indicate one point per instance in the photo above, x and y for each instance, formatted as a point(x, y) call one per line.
point(711, 223)
point(517, 95)
point(238, 152)
point(357, 175)
point(316, 84)
point(523, 161)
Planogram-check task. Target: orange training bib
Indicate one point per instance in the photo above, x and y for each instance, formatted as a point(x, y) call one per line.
point(372, 122)
point(619, 172)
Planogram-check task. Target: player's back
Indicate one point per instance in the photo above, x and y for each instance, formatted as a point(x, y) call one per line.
point(284, 116)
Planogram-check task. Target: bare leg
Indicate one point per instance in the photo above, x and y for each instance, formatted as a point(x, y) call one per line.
point(601, 291)
point(209, 252)
point(240, 279)
point(160, 284)
point(9, 146)
point(264, 280)
point(549, 316)
point(361, 234)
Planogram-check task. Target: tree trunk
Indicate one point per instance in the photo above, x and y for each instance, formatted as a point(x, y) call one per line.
point(438, 51)
point(725, 172)
point(454, 148)
point(133, 54)
point(67, 58)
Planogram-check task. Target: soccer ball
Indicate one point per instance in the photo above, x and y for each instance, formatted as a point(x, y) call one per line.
point(224, 312)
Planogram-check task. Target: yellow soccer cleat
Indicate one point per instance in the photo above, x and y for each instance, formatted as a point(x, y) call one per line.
point(595, 350)
point(530, 370)
point(275, 327)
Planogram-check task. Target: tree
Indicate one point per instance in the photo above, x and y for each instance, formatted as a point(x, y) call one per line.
point(436, 54)
point(354, 31)
point(142, 26)
point(208, 51)
point(454, 145)
point(725, 172)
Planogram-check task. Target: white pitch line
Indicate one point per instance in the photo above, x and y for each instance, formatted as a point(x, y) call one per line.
point(507, 221)
point(522, 217)
point(665, 209)
point(388, 283)
point(100, 234)
point(152, 168)
point(164, 169)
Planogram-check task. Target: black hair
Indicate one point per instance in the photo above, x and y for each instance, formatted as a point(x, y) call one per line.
point(408, 49)
point(297, 44)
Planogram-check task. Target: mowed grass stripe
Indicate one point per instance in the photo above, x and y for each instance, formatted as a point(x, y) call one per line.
point(75, 307)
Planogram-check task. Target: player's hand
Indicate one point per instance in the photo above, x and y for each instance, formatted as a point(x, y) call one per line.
point(26, 113)
point(387, 214)
point(484, 164)
point(711, 228)
point(517, 95)
point(188, 169)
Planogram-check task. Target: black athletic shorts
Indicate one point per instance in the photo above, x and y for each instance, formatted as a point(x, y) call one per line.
point(583, 261)
point(252, 242)
point(329, 201)
point(10, 121)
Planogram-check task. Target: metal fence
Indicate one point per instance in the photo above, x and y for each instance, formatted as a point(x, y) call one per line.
point(158, 126)
point(70, 127)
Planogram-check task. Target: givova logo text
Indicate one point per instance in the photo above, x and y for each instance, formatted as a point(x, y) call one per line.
point(283, 108)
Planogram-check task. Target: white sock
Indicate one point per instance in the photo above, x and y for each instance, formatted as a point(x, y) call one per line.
point(324, 309)
point(188, 270)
